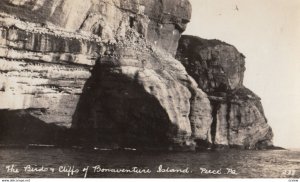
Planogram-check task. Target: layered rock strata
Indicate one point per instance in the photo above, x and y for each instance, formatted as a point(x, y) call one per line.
point(106, 67)
point(218, 68)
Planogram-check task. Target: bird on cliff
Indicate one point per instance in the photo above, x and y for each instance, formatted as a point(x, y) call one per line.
point(236, 7)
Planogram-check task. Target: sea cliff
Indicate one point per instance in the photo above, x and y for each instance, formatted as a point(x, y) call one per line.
point(115, 73)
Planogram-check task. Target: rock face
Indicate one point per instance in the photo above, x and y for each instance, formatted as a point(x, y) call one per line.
point(47, 56)
point(102, 66)
point(160, 21)
point(103, 73)
point(218, 68)
point(215, 65)
point(145, 92)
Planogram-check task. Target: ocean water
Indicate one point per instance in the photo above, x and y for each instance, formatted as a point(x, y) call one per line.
point(70, 163)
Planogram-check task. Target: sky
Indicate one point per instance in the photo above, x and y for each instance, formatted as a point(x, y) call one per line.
point(267, 32)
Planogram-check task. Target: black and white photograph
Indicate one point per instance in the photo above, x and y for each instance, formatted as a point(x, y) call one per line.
point(188, 89)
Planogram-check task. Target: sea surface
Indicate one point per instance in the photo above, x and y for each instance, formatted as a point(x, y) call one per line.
point(70, 163)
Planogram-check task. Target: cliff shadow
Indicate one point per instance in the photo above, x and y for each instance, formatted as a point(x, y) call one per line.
point(115, 111)
point(20, 128)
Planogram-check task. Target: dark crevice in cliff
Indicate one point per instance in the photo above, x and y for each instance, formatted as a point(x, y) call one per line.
point(84, 21)
point(193, 95)
point(215, 108)
point(239, 119)
point(131, 21)
point(228, 127)
point(97, 29)
point(179, 28)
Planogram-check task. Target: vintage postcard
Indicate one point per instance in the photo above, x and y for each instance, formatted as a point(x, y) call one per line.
point(149, 89)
